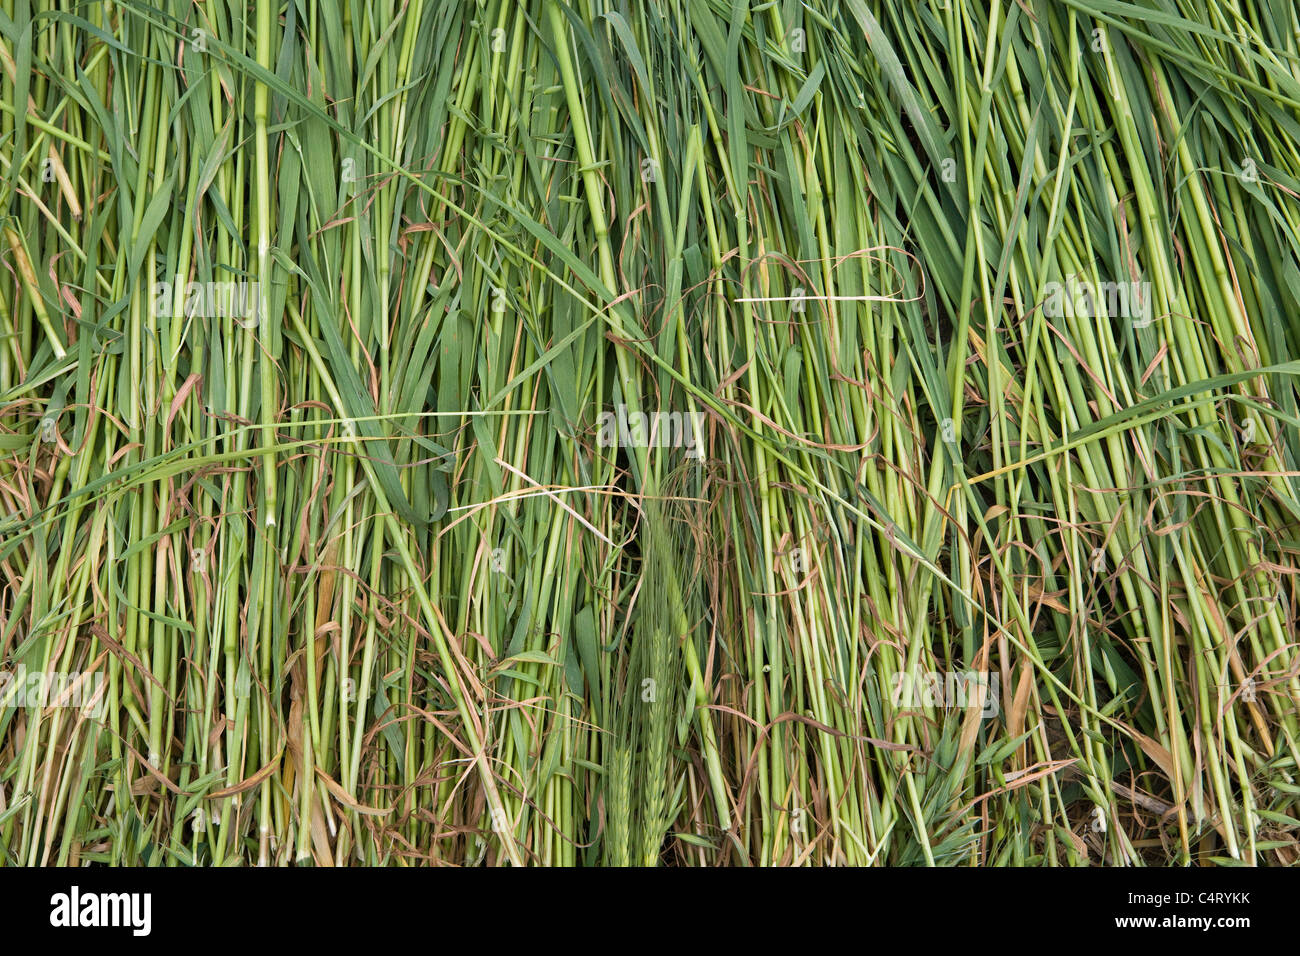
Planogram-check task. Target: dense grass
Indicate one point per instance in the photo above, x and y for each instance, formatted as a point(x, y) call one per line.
point(365, 579)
